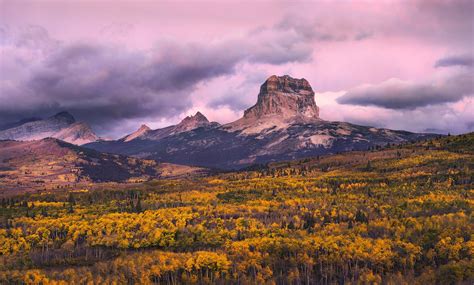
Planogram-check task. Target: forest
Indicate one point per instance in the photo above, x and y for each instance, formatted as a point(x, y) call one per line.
point(397, 214)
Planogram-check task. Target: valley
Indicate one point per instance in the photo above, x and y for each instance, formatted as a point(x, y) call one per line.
point(398, 214)
point(237, 142)
point(51, 164)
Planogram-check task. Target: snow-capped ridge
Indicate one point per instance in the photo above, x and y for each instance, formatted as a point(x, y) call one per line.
point(62, 126)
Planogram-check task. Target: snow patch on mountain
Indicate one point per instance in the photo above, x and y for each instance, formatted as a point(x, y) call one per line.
point(321, 140)
point(62, 126)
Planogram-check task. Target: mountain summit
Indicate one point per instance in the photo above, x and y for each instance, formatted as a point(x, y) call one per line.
point(285, 97)
point(140, 132)
point(192, 122)
point(187, 124)
point(282, 101)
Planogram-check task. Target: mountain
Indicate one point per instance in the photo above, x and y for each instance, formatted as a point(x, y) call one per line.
point(282, 101)
point(284, 97)
point(187, 124)
point(52, 163)
point(137, 134)
point(399, 215)
point(192, 122)
point(284, 124)
point(62, 126)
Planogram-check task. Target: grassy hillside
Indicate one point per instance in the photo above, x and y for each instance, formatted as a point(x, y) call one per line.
point(51, 164)
point(398, 215)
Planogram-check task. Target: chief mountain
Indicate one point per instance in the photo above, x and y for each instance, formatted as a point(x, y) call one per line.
point(284, 124)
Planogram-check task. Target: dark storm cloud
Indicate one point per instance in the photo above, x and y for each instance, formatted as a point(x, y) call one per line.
point(456, 60)
point(233, 100)
point(398, 94)
point(103, 84)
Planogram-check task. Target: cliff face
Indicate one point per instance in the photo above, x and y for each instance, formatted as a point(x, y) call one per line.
point(285, 97)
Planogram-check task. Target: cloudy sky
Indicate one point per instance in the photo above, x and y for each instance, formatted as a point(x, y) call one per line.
point(118, 64)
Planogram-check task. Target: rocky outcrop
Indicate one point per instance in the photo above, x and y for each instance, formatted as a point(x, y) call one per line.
point(285, 97)
point(191, 123)
point(282, 101)
point(62, 126)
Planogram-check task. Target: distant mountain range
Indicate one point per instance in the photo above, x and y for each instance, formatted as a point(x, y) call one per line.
point(62, 126)
point(284, 124)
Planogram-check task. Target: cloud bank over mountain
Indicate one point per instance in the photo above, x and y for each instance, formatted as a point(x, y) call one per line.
point(398, 94)
point(156, 63)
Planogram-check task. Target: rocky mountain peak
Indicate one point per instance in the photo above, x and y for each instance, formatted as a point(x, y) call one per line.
point(198, 117)
point(285, 97)
point(78, 133)
point(62, 126)
point(144, 128)
point(192, 122)
point(286, 84)
point(138, 133)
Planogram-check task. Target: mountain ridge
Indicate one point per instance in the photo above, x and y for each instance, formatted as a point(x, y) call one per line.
point(62, 125)
point(283, 124)
point(189, 123)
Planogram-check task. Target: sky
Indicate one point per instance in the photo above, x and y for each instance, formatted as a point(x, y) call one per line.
point(119, 64)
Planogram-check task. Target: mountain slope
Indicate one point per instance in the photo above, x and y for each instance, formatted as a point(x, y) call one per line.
point(283, 124)
point(354, 218)
point(51, 163)
point(62, 126)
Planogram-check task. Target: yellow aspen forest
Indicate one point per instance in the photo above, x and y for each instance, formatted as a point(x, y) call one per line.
point(401, 214)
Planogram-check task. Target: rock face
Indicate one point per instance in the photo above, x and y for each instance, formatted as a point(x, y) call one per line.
point(282, 101)
point(284, 124)
point(285, 97)
point(62, 126)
